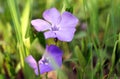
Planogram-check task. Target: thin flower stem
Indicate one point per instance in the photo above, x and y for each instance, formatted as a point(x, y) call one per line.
point(46, 75)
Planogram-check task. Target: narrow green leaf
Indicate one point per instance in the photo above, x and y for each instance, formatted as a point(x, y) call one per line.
point(114, 54)
point(115, 57)
point(12, 4)
point(14, 11)
point(80, 57)
point(25, 18)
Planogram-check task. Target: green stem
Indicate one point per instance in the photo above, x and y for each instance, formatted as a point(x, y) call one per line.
point(46, 76)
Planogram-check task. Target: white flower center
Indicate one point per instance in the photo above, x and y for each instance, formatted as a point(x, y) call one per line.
point(45, 60)
point(54, 28)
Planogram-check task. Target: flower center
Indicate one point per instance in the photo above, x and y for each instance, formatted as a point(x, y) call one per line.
point(54, 28)
point(45, 60)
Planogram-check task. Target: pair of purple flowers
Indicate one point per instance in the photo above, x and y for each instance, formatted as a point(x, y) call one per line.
point(56, 25)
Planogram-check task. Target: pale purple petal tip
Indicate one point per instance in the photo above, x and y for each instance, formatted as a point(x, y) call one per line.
point(68, 20)
point(32, 63)
point(52, 15)
point(40, 25)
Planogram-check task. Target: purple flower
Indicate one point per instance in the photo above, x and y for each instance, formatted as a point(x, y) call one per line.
point(51, 60)
point(56, 25)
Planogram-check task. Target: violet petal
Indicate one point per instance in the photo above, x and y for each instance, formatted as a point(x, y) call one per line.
point(32, 63)
point(52, 15)
point(53, 52)
point(40, 25)
point(49, 34)
point(68, 20)
point(65, 34)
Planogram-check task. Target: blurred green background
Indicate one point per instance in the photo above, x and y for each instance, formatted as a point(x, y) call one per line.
point(93, 53)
